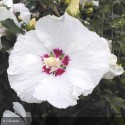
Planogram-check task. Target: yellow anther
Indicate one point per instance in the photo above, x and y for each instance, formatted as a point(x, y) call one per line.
point(51, 62)
point(20, 18)
point(32, 22)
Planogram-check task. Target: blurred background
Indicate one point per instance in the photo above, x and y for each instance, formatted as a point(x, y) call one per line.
point(107, 18)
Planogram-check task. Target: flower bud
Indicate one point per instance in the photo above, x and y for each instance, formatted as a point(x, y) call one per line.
point(90, 10)
point(19, 18)
point(32, 24)
point(67, 2)
point(73, 8)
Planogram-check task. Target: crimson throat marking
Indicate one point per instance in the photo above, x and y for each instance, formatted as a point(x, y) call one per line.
point(55, 63)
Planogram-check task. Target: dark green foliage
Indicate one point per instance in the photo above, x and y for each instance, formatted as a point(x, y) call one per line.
point(13, 28)
point(8, 41)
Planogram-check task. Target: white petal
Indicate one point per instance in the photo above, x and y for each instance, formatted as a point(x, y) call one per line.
point(57, 91)
point(24, 12)
point(60, 32)
point(5, 14)
point(114, 69)
point(77, 91)
point(66, 33)
point(108, 42)
point(8, 3)
point(84, 82)
point(10, 118)
point(25, 66)
point(89, 63)
point(113, 59)
point(30, 44)
point(8, 113)
point(33, 64)
point(23, 77)
point(80, 79)
point(19, 109)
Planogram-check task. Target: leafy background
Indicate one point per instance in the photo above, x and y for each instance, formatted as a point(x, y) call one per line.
point(108, 98)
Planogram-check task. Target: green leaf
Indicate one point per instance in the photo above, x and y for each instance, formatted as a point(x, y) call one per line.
point(119, 102)
point(13, 28)
point(8, 41)
point(3, 62)
point(116, 103)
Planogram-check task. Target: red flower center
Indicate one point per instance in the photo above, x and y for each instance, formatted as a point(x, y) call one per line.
point(55, 63)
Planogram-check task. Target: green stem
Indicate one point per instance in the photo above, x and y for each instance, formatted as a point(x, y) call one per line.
point(112, 32)
point(102, 23)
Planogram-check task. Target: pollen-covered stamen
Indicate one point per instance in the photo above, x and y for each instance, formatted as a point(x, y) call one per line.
point(55, 63)
point(52, 62)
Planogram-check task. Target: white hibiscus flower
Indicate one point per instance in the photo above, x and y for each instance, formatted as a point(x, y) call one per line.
point(57, 62)
point(19, 7)
point(24, 12)
point(7, 3)
point(5, 14)
point(115, 69)
point(20, 116)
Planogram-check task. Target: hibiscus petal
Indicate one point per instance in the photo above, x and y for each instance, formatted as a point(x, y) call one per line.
point(24, 86)
point(24, 12)
point(57, 91)
point(8, 113)
point(8, 3)
point(25, 66)
point(115, 69)
point(89, 63)
point(5, 14)
point(29, 43)
point(9, 116)
point(19, 109)
point(21, 112)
